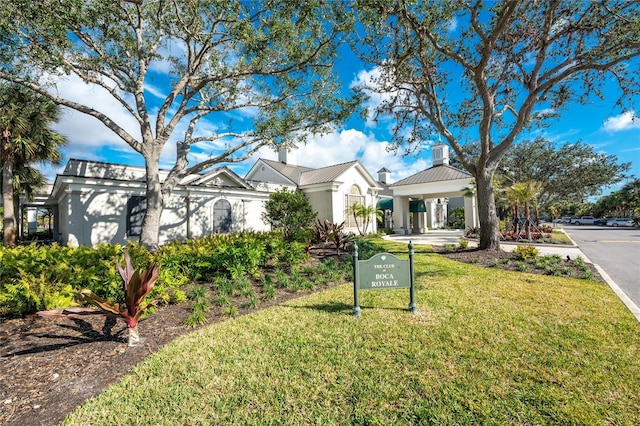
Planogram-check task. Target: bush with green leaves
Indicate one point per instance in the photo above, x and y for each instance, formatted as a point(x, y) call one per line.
point(525, 252)
point(290, 212)
point(34, 278)
point(368, 247)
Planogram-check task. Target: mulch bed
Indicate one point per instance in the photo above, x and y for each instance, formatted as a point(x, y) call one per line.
point(507, 260)
point(50, 366)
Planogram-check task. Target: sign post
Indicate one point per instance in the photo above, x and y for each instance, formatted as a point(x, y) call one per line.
point(383, 271)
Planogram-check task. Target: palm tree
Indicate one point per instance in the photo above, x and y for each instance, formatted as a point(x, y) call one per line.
point(527, 193)
point(510, 197)
point(360, 211)
point(25, 138)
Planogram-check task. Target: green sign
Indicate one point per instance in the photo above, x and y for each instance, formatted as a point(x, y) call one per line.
point(383, 271)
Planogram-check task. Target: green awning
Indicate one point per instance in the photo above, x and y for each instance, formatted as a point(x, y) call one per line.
point(417, 206)
point(385, 204)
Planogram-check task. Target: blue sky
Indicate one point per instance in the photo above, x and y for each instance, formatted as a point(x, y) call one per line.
point(596, 124)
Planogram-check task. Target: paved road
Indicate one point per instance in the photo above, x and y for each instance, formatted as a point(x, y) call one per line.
point(616, 250)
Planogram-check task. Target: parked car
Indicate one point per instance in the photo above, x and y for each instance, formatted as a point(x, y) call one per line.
point(601, 222)
point(622, 221)
point(583, 220)
point(565, 219)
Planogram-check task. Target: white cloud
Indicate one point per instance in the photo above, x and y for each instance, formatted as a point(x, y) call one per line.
point(453, 24)
point(85, 133)
point(343, 146)
point(155, 91)
point(90, 139)
point(624, 121)
point(371, 79)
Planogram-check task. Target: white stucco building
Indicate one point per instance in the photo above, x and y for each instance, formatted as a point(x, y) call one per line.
point(95, 202)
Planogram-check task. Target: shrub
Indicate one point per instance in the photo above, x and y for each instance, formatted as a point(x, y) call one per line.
point(367, 247)
point(472, 233)
point(290, 212)
point(178, 296)
point(526, 252)
point(268, 291)
point(200, 307)
point(34, 278)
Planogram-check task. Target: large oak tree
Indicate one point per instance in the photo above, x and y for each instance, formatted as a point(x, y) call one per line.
point(475, 71)
point(569, 172)
point(251, 73)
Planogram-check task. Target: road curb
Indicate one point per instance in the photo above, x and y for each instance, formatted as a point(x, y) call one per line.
point(618, 291)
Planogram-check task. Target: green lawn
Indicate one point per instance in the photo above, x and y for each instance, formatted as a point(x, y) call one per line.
point(488, 347)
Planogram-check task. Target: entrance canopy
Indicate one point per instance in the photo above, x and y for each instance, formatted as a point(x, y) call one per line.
point(415, 206)
point(427, 193)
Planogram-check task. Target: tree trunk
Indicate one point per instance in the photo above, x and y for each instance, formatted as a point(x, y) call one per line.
point(9, 221)
point(527, 221)
point(150, 233)
point(489, 222)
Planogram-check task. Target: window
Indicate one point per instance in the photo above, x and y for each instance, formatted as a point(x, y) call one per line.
point(136, 209)
point(222, 216)
point(352, 198)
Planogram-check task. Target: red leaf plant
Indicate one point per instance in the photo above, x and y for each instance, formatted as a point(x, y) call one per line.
point(136, 284)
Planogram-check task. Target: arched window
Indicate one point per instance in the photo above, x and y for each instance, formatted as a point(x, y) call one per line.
point(222, 216)
point(136, 209)
point(354, 196)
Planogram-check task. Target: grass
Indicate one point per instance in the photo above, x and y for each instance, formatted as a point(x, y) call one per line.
point(488, 347)
point(560, 237)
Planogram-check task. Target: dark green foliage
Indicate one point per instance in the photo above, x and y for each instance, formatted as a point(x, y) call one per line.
point(200, 307)
point(333, 270)
point(268, 290)
point(39, 278)
point(624, 202)
point(570, 172)
point(36, 278)
point(367, 247)
point(291, 213)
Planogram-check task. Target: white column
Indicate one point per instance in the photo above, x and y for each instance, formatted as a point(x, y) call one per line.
point(424, 227)
point(32, 220)
point(401, 215)
point(431, 213)
point(471, 212)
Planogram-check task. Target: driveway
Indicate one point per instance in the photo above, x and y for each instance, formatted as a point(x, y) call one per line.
point(615, 250)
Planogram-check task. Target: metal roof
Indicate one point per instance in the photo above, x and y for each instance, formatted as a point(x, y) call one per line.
point(289, 171)
point(307, 176)
point(434, 174)
point(325, 174)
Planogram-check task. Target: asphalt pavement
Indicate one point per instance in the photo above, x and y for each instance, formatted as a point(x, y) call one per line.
point(444, 237)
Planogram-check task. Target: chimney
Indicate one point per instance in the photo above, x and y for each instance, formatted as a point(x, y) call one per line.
point(384, 175)
point(287, 156)
point(440, 154)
